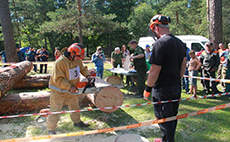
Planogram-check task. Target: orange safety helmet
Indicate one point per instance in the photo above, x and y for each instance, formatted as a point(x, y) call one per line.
point(159, 20)
point(77, 49)
point(74, 50)
point(82, 53)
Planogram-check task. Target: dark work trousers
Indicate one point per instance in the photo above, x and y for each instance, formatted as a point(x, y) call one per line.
point(41, 68)
point(168, 129)
point(35, 68)
point(201, 74)
point(207, 86)
point(129, 81)
point(141, 77)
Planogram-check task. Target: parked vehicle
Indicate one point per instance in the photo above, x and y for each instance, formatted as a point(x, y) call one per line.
point(143, 41)
point(193, 42)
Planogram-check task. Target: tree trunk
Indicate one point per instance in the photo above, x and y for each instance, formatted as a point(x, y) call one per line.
point(9, 76)
point(79, 21)
point(215, 23)
point(24, 102)
point(34, 81)
point(7, 30)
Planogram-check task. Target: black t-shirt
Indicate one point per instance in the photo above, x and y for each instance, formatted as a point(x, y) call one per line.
point(168, 52)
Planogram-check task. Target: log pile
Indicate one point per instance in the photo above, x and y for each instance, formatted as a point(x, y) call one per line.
point(103, 95)
point(9, 76)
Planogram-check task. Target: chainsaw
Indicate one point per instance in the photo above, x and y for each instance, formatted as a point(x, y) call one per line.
point(86, 84)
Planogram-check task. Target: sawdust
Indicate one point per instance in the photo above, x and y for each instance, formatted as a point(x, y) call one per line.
point(23, 129)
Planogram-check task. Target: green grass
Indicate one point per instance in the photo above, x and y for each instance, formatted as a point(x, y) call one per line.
point(210, 127)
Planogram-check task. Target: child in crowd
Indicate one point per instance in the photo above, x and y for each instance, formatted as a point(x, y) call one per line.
point(194, 66)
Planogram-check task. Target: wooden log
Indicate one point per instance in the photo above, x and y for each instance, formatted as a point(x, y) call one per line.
point(114, 80)
point(10, 75)
point(106, 97)
point(24, 102)
point(33, 81)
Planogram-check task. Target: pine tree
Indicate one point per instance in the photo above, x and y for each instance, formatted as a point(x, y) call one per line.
point(7, 30)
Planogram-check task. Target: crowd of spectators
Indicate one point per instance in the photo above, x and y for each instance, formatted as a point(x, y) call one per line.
point(33, 55)
point(210, 63)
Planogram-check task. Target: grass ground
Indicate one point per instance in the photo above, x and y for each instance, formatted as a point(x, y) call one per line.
point(210, 127)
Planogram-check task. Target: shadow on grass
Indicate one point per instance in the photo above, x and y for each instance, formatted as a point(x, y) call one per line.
point(115, 119)
point(208, 127)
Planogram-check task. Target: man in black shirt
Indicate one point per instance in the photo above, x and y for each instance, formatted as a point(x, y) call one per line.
point(168, 62)
point(138, 59)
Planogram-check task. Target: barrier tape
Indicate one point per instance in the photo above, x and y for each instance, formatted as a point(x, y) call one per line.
point(210, 79)
point(122, 106)
point(49, 62)
point(35, 63)
point(145, 123)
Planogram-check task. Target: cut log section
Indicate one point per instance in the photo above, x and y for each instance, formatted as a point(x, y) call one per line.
point(114, 80)
point(33, 81)
point(106, 97)
point(10, 75)
point(24, 102)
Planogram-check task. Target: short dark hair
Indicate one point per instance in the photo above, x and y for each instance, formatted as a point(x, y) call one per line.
point(192, 52)
point(133, 42)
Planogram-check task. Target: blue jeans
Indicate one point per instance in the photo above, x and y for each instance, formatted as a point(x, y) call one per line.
point(186, 81)
point(99, 72)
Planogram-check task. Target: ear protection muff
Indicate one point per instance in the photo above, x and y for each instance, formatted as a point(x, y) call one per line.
point(67, 54)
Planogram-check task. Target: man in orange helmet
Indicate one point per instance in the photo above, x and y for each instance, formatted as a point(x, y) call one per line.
point(168, 62)
point(65, 76)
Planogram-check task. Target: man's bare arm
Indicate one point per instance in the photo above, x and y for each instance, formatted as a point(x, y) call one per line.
point(153, 75)
point(183, 67)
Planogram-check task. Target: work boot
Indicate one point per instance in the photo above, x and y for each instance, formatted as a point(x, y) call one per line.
point(51, 132)
point(81, 124)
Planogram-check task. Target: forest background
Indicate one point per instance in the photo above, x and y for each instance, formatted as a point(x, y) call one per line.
point(106, 23)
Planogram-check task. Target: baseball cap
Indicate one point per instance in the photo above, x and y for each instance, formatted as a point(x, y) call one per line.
point(117, 48)
point(99, 48)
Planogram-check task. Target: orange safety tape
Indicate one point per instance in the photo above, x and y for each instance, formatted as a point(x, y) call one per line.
point(145, 123)
point(209, 79)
